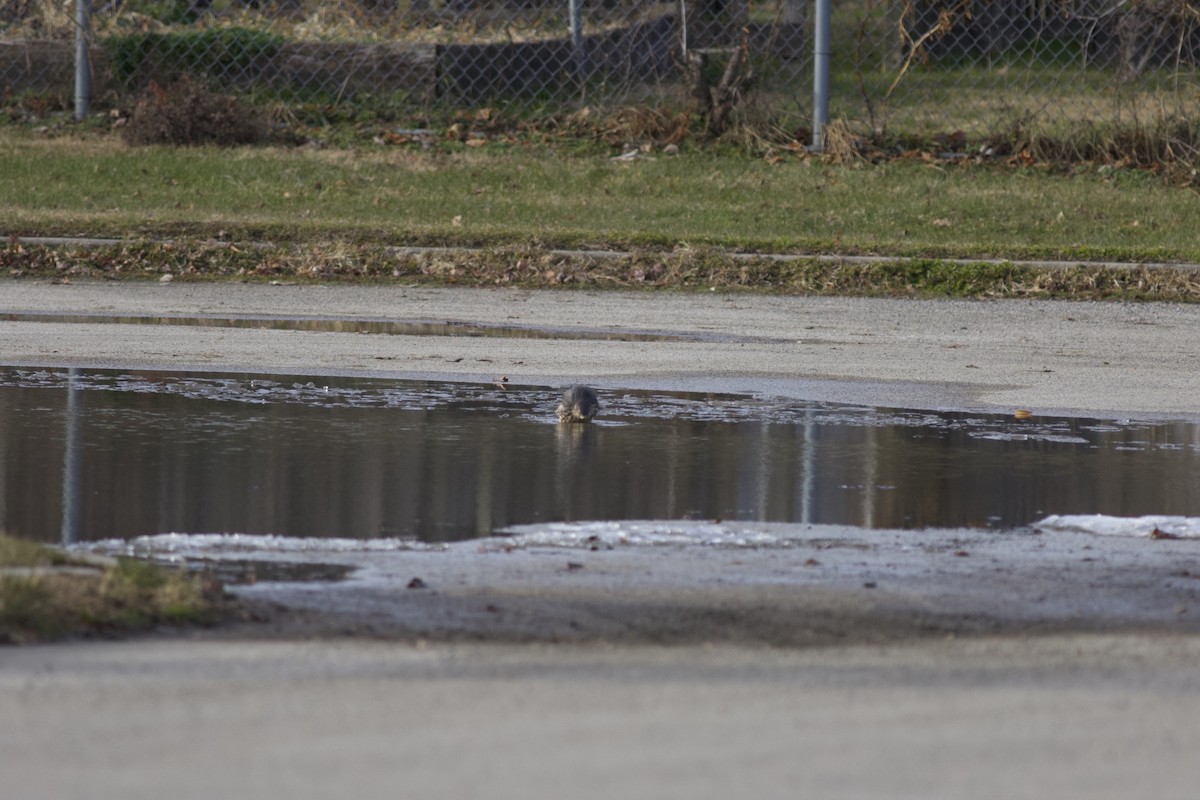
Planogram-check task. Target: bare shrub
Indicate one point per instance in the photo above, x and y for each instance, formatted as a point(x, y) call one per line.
point(188, 113)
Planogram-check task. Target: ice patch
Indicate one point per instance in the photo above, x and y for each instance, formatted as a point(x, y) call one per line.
point(1104, 525)
point(605, 535)
point(182, 545)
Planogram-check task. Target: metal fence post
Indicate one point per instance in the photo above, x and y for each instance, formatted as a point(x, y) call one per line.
point(83, 59)
point(575, 22)
point(821, 48)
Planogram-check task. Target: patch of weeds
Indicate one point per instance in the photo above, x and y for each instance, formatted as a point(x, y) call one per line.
point(39, 602)
point(188, 113)
point(17, 552)
point(28, 610)
point(1168, 144)
point(138, 594)
point(944, 278)
point(32, 105)
point(133, 260)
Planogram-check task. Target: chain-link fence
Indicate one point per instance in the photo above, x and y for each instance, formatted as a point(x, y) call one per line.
point(909, 67)
point(982, 66)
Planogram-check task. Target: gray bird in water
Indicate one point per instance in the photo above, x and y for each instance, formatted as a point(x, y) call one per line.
point(579, 404)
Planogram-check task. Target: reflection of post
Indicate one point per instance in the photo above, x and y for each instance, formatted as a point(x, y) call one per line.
point(485, 489)
point(808, 475)
point(870, 476)
point(762, 472)
point(72, 462)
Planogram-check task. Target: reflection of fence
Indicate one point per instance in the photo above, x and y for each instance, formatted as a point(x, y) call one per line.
point(906, 66)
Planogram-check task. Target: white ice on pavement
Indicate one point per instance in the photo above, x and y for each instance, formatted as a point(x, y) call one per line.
point(596, 535)
point(650, 532)
point(1104, 525)
point(195, 544)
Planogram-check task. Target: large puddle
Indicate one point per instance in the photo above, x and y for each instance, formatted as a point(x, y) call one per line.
point(91, 454)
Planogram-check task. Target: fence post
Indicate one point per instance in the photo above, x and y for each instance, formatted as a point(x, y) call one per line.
point(575, 21)
point(83, 57)
point(820, 116)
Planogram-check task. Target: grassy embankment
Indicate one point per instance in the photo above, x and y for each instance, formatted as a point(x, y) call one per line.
point(46, 593)
point(328, 213)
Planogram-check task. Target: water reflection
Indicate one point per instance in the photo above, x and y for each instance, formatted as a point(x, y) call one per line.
point(95, 454)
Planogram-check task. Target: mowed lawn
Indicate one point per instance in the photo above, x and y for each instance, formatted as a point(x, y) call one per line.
point(502, 192)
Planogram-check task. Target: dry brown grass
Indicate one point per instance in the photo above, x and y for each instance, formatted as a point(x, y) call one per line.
point(344, 21)
point(44, 19)
point(841, 146)
point(684, 268)
point(642, 123)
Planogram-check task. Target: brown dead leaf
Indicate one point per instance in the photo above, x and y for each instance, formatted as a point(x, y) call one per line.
point(1158, 533)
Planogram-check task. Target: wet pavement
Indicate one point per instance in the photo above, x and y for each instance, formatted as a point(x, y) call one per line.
point(657, 658)
point(1101, 360)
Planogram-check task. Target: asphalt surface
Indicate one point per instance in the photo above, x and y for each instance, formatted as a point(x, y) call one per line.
point(956, 665)
point(1076, 717)
point(1080, 358)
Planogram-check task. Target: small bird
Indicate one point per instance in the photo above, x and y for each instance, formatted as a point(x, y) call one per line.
point(579, 404)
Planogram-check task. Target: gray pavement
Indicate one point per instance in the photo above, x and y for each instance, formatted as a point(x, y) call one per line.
point(1077, 717)
point(1082, 358)
point(972, 666)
